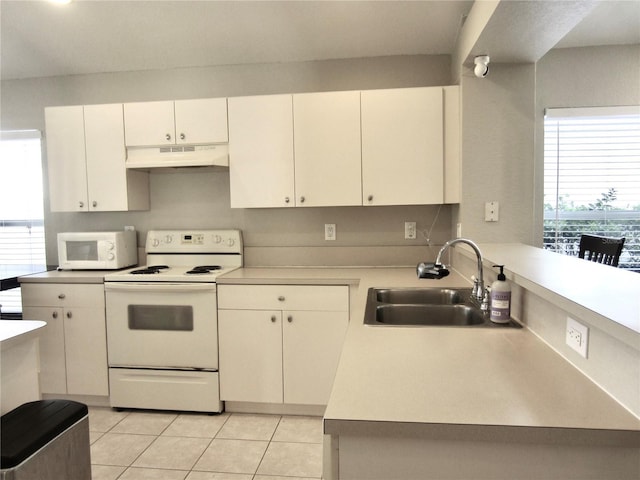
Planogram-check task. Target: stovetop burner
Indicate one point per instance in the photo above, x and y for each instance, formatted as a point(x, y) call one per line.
point(150, 270)
point(203, 269)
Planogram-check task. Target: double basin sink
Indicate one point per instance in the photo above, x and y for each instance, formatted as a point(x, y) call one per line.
point(440, 307)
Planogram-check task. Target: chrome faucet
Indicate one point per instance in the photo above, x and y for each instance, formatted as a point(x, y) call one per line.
point(438, 270)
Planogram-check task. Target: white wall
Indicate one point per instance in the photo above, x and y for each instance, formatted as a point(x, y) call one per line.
point(200, 199)
point(497, 152)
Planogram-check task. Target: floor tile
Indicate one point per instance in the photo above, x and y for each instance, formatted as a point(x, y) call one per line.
point(232, 456)
point(249, 427)
point(299, 429)
point(103, 419)
point(146, 423)
point(196, 425)
point(119, 448)
point(178, 453)
point(219, 476)
point(277, 477)
point(292, 459)
point(106, 472)
point(134, 473)
point(94, 436)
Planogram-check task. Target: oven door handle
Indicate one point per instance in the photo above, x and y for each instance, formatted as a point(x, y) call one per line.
point(159, 287)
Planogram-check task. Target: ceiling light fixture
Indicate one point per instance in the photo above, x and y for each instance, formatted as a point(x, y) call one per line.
point(481, 69)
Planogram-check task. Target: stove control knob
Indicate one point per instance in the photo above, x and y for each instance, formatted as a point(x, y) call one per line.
point(231, 242)
point(111, 256)
point(168, 239)
point(155, 242)
point(217, 239)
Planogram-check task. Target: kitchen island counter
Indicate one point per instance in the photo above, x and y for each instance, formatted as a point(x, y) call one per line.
point(492, 386)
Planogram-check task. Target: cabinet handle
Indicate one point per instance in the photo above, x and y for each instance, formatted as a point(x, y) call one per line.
point(62, 296)
point(81, 204)
point(273, 319)
point(289, 319)
point(301, 199)
point(370, 198)
point(69, 315)
point(281, 298)
point(168, 137)
point(94, 203)
point(287, 199)
point(54, 314)
point(182, 136)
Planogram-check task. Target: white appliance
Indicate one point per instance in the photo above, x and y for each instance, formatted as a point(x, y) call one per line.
point(97, 250)
point(174, 156)
point(162, 322)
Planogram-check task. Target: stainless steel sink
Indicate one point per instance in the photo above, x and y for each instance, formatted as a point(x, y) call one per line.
point(426, 307)
point(423, 296)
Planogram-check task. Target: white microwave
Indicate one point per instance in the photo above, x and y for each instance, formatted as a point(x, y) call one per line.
point(97, 250)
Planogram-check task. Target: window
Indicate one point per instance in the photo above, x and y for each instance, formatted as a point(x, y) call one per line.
point(592, 178)
point(21, 207)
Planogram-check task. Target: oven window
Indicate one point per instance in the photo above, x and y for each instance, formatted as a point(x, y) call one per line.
point(78, 250)
point(160, 317)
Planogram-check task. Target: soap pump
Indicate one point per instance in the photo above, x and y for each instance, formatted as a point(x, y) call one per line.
point(500, 298)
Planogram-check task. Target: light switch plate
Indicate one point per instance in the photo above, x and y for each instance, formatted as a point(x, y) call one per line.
point(491, 211)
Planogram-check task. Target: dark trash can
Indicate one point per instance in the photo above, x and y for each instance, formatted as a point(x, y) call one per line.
point(46, 440)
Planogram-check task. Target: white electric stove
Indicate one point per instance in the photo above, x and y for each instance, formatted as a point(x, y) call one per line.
point(162, 324)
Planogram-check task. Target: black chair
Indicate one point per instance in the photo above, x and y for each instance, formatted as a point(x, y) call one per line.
point(601, 249)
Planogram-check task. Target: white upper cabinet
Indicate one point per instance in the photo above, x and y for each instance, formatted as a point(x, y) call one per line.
point(180, 122)
point(402, 146)
point(261, 165)
point(452, 167)
point(66, 159)
point(86, 161)
point(327, 149)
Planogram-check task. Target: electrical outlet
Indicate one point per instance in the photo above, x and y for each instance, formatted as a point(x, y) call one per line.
point(458, 230)
point(329, 231)
point(577, 336)
point(409, 230)
point(491, 212)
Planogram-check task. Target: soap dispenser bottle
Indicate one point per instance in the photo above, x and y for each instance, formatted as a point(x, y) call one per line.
point(500, 298)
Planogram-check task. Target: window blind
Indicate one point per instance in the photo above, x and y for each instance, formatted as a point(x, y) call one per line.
point(592, 178)
point(22, 239)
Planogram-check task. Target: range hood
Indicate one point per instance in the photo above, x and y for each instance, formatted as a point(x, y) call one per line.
point(175, 156)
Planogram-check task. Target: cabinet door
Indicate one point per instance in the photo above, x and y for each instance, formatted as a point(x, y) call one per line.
point(86, 350)
point(149, 123)
point(327, 149)
point(452, 187)
point(250, 355)
point(402, 146)
point(52, 358)
point(201, 121)
point(66, 159)
point(261, 151)
point(106, 155)
point(312, 343)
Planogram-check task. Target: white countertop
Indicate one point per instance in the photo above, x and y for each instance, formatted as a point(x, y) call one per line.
point(15, 331)
point(66, 276)
point(449, 381)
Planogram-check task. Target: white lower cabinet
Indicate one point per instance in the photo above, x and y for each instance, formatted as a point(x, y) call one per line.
point(73, 344)
point(280, 343)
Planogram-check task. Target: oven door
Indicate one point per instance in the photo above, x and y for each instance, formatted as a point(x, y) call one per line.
point(162, 325)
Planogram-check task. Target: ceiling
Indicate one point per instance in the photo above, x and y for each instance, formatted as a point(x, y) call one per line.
point(40, 39)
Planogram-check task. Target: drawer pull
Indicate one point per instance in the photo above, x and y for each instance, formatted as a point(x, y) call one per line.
point(54, 314)
point(69, 315)
point(62, 296)
point(289, 319)
point(273, 319)
point(281, 298)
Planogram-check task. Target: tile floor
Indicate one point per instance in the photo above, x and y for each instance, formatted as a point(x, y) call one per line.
point(137, 445)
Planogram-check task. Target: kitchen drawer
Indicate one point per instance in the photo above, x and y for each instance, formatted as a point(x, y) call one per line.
point(329, 298)
point(63, 295)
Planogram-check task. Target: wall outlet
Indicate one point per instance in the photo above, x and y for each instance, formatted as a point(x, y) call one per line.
point(129, 228)
point(329, 231)
point(458, 230)
point(577, 336)
point(491, 212)
point(409, 230)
